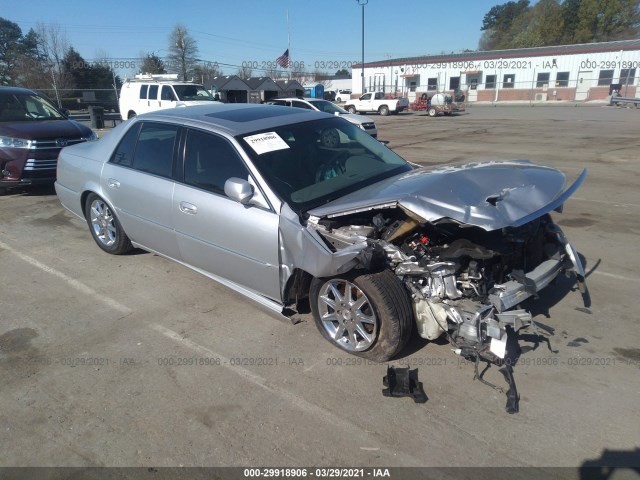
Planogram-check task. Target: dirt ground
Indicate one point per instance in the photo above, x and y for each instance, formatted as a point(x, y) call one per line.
point(138, 361)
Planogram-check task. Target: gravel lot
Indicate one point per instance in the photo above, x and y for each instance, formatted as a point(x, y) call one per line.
point(138, 361)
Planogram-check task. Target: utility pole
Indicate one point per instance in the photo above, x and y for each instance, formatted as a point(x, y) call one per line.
point(362, 3)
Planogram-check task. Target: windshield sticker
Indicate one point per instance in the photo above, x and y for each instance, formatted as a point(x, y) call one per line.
point(266, 142)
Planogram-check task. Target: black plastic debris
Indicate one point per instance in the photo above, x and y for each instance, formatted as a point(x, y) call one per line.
point(513, 398)
point(403, 382)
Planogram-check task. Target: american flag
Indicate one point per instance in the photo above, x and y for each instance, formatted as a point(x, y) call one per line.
point(283, 60)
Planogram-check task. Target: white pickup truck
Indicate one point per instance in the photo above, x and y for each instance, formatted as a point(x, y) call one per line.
point(377, 102)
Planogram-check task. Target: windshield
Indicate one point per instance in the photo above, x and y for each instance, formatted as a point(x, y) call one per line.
point(327, 107)
point(192, 92)
point(309, 164)
point(21, 107)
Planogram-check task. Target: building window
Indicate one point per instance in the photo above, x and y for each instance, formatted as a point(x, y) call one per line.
point(490, 82)
point(628, 76)
point(543, 80)
point(432, 83)
point(508, 80)
point(454, 83)
point(605, 78)
point(412, 86)
point(562, 79)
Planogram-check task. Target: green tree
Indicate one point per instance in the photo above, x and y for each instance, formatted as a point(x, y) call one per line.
point(554, 22)
point(541, 25)
point(183, 52)
point(32, 63)
point(152, 64)
point(499, 21)
point(10, 48)
point(605, 20)
point(570, 20)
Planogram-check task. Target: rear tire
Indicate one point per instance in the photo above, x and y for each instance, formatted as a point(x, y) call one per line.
point(432, 112)
point(105, 227)
point(365, 314)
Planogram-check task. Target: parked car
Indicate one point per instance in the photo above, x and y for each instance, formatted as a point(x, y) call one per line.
point(285, 205)
point(343, 95)
point(377, 102)
point(148, 93)
point(360, 121)
point(330, 95)
point(32, 133)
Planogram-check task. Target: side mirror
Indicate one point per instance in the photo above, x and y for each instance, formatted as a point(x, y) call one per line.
point(238, 189)
point(65, 112)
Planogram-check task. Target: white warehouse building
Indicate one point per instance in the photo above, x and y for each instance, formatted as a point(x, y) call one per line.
point(569, 72)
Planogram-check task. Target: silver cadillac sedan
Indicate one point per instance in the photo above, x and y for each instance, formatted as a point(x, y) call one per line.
point(296, 208)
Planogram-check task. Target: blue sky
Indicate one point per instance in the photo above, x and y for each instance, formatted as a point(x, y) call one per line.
point(233, 32)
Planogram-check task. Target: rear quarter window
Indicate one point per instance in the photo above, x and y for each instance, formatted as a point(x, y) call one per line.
point(123, 155)
point(154, 150)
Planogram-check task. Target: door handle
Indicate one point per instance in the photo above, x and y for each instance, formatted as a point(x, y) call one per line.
point(188, 208)
point(113, 183)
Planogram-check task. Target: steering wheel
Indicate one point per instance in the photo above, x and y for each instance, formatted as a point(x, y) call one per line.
point(334, 167)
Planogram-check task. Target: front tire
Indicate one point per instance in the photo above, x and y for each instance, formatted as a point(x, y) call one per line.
point(367, 314)
point(351, 109)
point(105, 227)
point(383, 110)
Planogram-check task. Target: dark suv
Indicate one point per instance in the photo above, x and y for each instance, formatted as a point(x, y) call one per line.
point(32, 133)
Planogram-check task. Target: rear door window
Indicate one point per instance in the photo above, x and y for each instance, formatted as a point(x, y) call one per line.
point(153, 92)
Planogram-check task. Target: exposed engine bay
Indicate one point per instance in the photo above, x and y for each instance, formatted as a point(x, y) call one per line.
point(464, 281)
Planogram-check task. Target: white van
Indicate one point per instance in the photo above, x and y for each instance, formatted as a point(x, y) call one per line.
point(147, 93)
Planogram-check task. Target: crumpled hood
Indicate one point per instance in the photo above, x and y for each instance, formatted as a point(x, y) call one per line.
point(490, 195)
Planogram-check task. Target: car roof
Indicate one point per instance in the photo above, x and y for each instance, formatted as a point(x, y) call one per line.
point(161, 82)
point(237, 118)
point(302, 99)
point(17, 90)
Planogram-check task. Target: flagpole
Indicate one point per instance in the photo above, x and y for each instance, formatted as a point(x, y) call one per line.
point(289, 43)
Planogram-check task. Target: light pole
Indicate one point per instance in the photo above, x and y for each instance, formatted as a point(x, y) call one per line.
point(362, 3)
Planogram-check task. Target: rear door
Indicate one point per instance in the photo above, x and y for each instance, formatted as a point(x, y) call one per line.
point(153, 101)
point(219, 235)
point(138, 182)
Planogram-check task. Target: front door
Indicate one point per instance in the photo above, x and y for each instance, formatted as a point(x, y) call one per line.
point(473, 80)
point(219, 235)
point(585, 80)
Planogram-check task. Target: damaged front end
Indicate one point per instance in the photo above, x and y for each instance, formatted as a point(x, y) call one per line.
point(467, 272)
point(464, 281)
